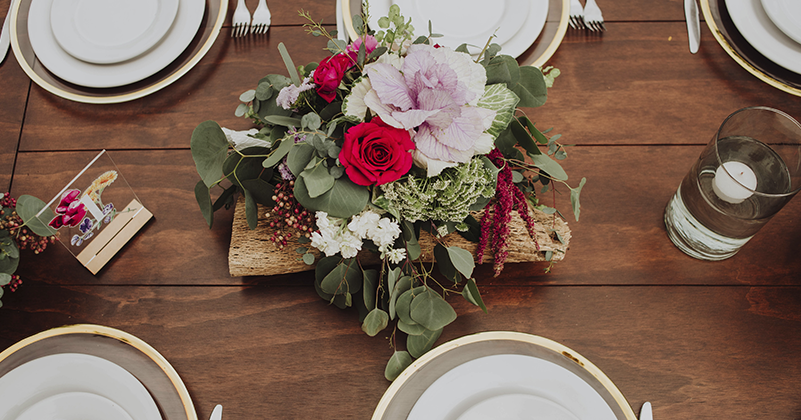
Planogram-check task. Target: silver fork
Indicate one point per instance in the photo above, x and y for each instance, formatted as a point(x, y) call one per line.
point(241, 20)
point(261, 18)
point(593, 18)
point(576, 15)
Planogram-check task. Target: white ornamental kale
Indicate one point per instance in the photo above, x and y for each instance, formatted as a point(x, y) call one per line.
point(433, 93)
point(334, 236)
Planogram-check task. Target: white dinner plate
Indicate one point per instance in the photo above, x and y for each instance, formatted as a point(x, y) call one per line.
point(510, 387)
point(110, 31)
point(759, 30)
point(786, 14)
point(502, 375)
point(33, 382)
point(75, 406)
point(73, 70)
point(515, 23)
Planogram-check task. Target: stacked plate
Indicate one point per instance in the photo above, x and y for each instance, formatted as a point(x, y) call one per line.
point(764, 36)
point(515, 24)
point(530, 30)
point(502, 375)
point(113, 49)
point(89, 372)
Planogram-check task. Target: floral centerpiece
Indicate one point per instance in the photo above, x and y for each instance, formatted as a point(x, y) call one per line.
point(389, 136)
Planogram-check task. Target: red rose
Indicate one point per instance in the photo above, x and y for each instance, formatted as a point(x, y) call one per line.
point(376, 153)
point(329, 74)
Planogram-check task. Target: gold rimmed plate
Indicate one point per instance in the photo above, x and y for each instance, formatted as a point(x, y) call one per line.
point(542, 48)
point(123, 349)
point(729, 37)
point(209, 29)
point(487, 374)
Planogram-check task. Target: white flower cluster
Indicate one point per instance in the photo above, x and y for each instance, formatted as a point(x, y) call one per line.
point(335, 236)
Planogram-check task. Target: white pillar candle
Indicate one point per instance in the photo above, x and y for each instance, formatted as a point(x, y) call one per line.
point(737, 187)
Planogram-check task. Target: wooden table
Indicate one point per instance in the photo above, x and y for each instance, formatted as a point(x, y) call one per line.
point(697, 339)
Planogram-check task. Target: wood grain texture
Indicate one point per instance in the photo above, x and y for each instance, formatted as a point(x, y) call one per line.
point(282, 352)
point(697, 339)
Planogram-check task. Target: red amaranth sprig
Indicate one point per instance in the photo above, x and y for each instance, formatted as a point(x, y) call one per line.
point(507, 198)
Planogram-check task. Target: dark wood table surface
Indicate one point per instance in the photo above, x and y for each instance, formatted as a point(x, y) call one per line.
point(697, 339)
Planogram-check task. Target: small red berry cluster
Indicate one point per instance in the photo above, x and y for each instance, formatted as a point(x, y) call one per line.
point(24, 237)
point(288, 217)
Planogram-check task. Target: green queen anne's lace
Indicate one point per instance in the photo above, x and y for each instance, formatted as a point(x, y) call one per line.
point(446, 197)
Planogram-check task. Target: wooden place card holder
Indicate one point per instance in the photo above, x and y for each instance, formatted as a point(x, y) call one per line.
point(96, 214)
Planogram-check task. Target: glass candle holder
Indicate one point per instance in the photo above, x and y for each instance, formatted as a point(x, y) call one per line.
point(745, 175)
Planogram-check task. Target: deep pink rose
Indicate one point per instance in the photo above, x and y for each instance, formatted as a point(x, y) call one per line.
point(329, 74)
point(376, 153)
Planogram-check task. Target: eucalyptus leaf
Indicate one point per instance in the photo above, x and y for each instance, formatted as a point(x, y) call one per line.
point(462, 49)
point(5, 278)
point(430, 310)
point(290, 66)
point(28, 207)
point(261, 190)
point(369, 288)
point(310, 121)
point(444, 263)
point(298, 157)
point(462, 260)
point(517, 177)
point(278, 154)
point(374, 322)
point(263, 91)
point(9, 265)
point(404, 302)
point(399, 361)
point(531, 88)
point(248, 165)
point(470, 292)
point(347, 277)
point(574, 198)
point(241, 110)
point(503, 69)
point(317, 180)
point(9, 248)
point(550, 166)
point(524, 138)
point(248, 96)
point(204, 202)
point(392, 277)
point(411, 329)
point(343, 200)
point(417, 345)
point(308, 258)
point(209, 149)
point(283, 120)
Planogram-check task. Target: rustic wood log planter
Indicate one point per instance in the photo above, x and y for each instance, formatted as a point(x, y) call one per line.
point(253, 254)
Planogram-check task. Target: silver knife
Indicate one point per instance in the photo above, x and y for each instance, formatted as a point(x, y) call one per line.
point(693, 24)
point(4, 38)
point(645, 412)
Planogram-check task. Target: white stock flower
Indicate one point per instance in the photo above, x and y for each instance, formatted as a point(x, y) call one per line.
point(396, 255)
point(363, 223)
point(385, 232)
point(349, 244)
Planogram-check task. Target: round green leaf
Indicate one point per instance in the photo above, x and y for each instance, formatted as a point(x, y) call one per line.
point(431, 311)
point(403, 305)
point(374, 322)
point(28, 207)
point(209, 150)
point(399, 361)
point(462, 260)
point(308, 258)
point(343, 200)
point(417, 345)
point(5, 278)
point(413, 329)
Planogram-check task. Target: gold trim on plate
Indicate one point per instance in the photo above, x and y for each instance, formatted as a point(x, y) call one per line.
point(713, 20)
point(43, 349)
point(403, 393)
point(34, 69)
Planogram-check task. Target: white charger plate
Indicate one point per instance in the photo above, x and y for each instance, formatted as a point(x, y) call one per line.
point(759, 30)
point(75, 406)
point(511, 387)
point(502, 375)
point(69, 68)
point(518, 22)
point(786, 14)
point(110, 31)
point(40, 379)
